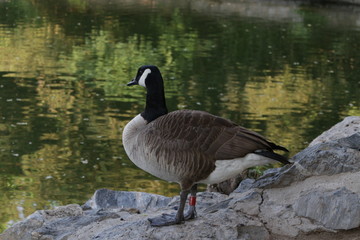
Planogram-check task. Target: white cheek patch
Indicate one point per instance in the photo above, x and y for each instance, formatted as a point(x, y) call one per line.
point(143, 77)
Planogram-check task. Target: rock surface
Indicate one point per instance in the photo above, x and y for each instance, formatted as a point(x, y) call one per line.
point(317, 197)
point(347, 127)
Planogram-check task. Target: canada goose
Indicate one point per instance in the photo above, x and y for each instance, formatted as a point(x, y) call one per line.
point(188, 146)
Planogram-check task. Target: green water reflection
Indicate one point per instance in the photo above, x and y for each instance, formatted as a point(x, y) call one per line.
point(64, 65)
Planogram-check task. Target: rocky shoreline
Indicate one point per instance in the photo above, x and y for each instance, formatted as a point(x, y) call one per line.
point(317, 197)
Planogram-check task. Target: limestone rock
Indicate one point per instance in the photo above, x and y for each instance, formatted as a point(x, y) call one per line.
point(347, 127)
point(328, 158)
point(338, 209)
point(107, 199)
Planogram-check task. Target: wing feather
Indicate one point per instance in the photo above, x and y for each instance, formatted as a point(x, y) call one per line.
point(199, 131)
point(194, 140)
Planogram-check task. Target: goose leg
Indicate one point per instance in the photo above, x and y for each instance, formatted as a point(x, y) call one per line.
point(191, 213)
point(170, 219)
point(180, 213)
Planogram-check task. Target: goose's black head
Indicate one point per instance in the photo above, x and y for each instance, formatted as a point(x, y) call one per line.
point(149, 76)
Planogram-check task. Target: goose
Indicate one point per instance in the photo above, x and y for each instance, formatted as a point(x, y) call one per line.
point(189, 146)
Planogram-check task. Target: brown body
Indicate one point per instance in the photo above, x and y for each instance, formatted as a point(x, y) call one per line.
point(183, 146)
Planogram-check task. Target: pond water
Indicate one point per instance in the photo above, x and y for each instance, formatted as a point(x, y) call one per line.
point(284, 69)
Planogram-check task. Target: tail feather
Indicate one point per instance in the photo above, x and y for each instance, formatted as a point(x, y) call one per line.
point(273, 156)
point(278, 147)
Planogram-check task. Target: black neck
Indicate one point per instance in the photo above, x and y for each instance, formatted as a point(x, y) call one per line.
point(155, 104)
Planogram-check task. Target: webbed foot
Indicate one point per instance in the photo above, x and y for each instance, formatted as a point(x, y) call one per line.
point(171, 219)
point(164, 220)
point(191, 213)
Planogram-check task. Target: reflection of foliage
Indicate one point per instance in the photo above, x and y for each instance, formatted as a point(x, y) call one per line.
point(63, 103)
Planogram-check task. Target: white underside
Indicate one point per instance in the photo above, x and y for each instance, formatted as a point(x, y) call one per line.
point(130, 141)
point(139, 154)
point(226, 169)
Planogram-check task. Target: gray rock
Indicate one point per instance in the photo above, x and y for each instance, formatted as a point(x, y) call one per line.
point(23, 229)
point(347, 127)
point(253, 232)
point(108, 199)
point(248, 203)
point(245, 185)
point(65, 221)
point(281, 207)
point(329, 158)
point(338, 209)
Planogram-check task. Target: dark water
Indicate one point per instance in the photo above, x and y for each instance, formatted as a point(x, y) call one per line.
point(286, 70)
